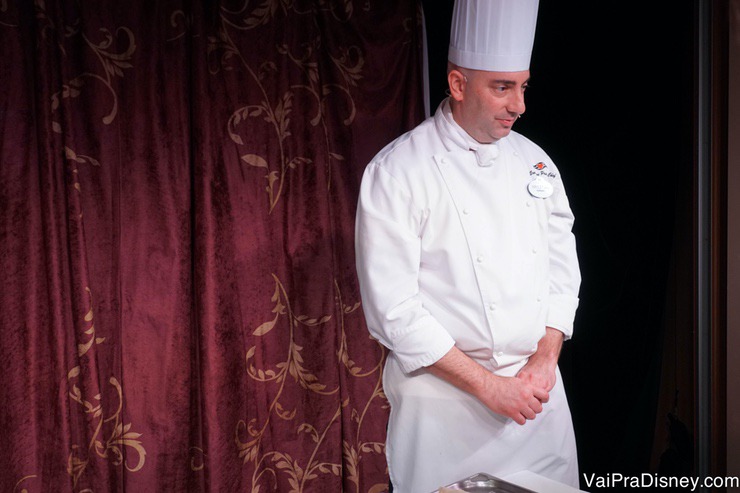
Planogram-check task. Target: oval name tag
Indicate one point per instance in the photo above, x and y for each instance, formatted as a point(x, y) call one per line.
point(540, 188)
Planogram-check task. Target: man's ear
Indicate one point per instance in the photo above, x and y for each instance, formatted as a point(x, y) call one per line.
point(456, 81)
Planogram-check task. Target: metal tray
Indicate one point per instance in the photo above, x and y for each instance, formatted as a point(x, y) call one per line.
point(484, 483)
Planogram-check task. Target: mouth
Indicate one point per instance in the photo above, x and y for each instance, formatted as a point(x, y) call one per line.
point(507, 122)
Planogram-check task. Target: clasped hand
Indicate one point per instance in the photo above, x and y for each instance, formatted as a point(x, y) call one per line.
point(521, 397)
point(515, 397)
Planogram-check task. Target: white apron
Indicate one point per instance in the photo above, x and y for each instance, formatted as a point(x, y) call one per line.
point(454, 249)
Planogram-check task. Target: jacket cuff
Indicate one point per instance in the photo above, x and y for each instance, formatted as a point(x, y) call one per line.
point(421, 345)
point(561, 313)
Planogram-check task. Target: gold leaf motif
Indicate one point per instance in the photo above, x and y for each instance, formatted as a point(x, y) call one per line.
point(372, 447)
point(265, 327)
point(249, 444)
point(196, 465)
point(254, 160)
point(70, 154)
point(112, 64)
point(350, 309)
point(308, 428)
point(349, 61)
point(272, 377)
point(20, 482)
point(351, 459)
point(272, 177)
point(84, 347)
point(293, 163)
point(175, 22)
point(282, 413)
point(75, 466)
point(75, 158)
point(334, 469)
point(121, 438)
point(312, 322)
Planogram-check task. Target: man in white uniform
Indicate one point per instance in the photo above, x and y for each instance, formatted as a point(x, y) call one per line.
point(468, 272)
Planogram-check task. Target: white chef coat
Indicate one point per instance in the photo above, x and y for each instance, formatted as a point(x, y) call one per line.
point(452, 249)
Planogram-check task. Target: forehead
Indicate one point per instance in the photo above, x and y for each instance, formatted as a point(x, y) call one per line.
point(513, 78)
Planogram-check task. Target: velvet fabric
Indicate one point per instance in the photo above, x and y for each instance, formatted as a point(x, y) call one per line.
point(179, 304)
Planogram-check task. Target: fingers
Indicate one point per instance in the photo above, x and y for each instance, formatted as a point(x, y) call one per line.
point(529, 413)
point(517, 399)
point(542, 395)
point(532, 408)
point(536, 406)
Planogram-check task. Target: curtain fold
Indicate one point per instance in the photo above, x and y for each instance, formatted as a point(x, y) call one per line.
point(177, 194)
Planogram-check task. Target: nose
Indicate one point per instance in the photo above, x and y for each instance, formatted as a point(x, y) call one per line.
point(516, 104)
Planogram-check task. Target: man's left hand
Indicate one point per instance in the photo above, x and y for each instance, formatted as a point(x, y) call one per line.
point(540, 369)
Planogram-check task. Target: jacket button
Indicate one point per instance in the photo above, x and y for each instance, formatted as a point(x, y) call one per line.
point(480, 259)
point(466, 212)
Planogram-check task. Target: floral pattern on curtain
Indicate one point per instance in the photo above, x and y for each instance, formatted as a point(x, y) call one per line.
point(179, 309)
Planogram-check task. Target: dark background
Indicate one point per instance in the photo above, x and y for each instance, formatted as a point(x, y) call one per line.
point(611, 102)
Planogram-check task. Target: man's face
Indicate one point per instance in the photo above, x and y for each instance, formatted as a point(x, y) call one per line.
point(487, 104)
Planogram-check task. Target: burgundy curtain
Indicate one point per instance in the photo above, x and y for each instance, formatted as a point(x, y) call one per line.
point(179, 308)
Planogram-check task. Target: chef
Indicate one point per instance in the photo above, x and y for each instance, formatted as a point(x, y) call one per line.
point(468, 272)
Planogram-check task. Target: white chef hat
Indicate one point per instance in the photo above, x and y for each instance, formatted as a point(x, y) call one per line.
point(493, 35)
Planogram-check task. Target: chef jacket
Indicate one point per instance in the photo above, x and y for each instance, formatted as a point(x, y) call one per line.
point(454, 249)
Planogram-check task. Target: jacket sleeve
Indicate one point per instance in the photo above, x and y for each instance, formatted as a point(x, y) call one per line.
point(565, 276)
point(388, 252)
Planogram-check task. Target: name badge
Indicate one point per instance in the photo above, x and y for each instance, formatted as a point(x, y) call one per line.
point(540, 188)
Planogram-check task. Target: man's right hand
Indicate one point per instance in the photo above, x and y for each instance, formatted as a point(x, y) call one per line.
point(512, 397)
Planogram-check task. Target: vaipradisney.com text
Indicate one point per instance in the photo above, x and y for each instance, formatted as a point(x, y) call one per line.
point(651, 480)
